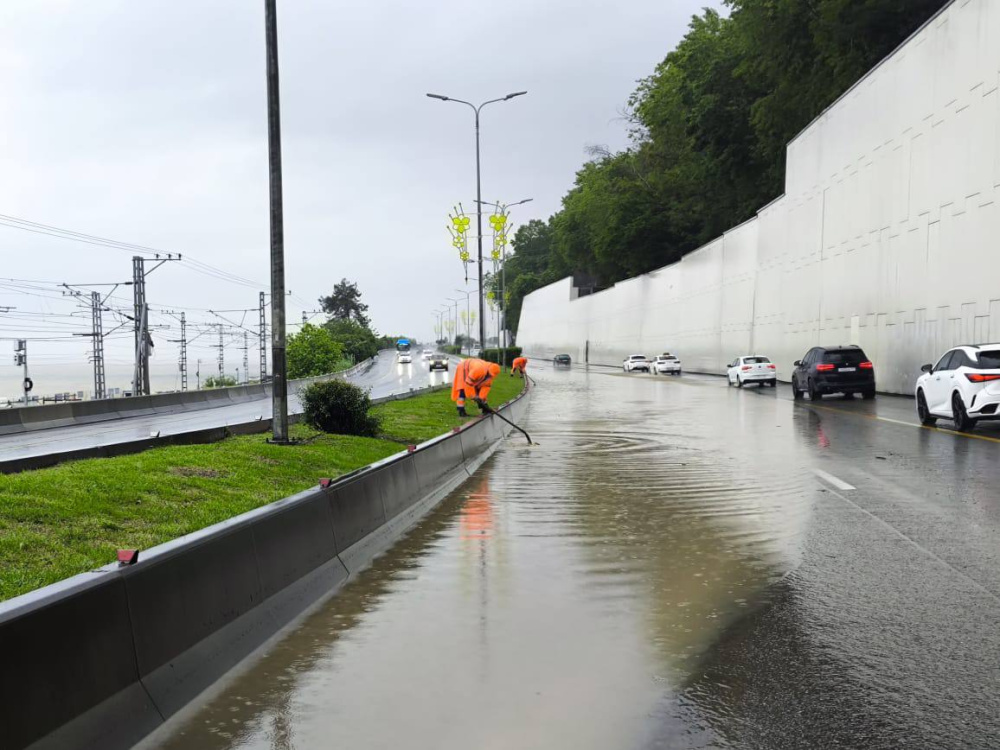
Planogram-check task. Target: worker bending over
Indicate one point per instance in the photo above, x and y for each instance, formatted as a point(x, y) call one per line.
point(518, 366)
point(473, 378)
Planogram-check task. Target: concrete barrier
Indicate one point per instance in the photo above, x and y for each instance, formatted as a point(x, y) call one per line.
point(101, 659)
point(10, 421)
point(43, 417)
point(88, 412)
point(136, 406)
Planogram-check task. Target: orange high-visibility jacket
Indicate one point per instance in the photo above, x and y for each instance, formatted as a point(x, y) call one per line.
point(519, 364)
point(474, 377)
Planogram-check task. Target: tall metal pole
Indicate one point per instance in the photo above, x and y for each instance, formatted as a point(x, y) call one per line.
point(222, 356)
point(279, 389)
point(184, 354)
point(140, 384)
point(479, 243)
point(97, 333)
point(246, 358)
point(263, 339)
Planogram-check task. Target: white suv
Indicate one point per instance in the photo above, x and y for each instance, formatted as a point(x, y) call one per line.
point(636, 362)
point(964, 386)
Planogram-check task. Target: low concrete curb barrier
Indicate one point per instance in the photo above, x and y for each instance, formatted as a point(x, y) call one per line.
point(29, 419)
point(103, 658)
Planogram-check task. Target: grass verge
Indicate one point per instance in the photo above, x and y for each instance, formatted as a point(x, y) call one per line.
point(67, 519)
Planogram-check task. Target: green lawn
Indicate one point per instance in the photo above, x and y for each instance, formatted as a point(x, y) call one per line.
point(67, 519)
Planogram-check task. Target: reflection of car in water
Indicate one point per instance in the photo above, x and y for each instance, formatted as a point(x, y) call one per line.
point(561, 360)
point(439, 361)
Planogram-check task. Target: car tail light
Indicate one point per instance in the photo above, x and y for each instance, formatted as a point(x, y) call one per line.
point(772, 367)
point(745, 368)
point(979, 377)
point(824, 368)
point(867, 366)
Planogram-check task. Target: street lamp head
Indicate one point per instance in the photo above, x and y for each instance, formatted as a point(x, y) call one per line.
point(438, 96)
point(511, 96)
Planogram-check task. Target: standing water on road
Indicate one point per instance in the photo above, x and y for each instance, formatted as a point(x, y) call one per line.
point(630, 582)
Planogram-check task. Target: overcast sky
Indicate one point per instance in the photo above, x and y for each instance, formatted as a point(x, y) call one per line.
point(144, 121)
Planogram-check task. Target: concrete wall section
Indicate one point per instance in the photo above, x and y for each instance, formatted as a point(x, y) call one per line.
point(886, 236)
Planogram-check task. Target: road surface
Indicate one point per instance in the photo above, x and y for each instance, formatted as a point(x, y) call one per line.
point(678, 564)
point(385, 378)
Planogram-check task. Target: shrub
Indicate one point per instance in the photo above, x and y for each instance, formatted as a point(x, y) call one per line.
point(312, 351)
point(339, 407)
point(451, 349)
point(219, 381)
point(496, 355)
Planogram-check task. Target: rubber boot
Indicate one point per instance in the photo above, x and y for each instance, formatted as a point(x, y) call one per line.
point(462, 412)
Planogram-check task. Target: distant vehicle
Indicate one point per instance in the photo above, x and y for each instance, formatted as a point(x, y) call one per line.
point(438, 361)
point(562, 360)
point(833, 369)
point(666, 364)
point(405, 358)
point(427, 354)
point(752, 369)
point(402, 345)
point(964, 386)
point(636, 362)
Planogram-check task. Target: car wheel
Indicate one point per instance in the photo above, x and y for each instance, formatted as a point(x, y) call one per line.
point(739, 382)
point(923, 412)
point(868, 395)
point(796, 392)
point(814, 394)
point(963, 422)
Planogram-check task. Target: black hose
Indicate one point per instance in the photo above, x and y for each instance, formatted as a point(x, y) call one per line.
point(519, 429)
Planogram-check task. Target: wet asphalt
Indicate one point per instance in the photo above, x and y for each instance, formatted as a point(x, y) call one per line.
point(678, 564)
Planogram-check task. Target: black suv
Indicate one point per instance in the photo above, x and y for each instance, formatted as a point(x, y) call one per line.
point(561, 360)
point(834, 369)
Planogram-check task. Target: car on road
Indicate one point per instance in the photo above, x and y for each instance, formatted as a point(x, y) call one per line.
point(833, 369)
point(665, 364)
point(562, 360)
point(426, 354)
point(636, 362)
point(752, 368)
point(964, 386)
point(405, 358)
point(438, 361)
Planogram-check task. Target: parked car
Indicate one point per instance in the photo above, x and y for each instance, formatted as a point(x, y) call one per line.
point(752, 369)
point(426, 354)
point(636, 362)
point(964, 386)
point(833, 369)
point(562, 360)
point(438, 361)
point(665, 364)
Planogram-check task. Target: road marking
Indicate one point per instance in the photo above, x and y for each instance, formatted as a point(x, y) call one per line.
point(840, 484)
point(953, 433)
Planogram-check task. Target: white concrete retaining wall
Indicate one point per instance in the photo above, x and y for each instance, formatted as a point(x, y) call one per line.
point(888, 235)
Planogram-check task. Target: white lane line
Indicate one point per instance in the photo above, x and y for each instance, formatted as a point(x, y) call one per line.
point(840, 484)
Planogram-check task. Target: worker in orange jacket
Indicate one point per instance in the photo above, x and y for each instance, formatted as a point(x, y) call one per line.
point(518, 366)
point(473, 378)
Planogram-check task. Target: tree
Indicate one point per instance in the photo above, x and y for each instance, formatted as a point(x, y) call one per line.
point(219, 381)
point(312, 351)
point(345, 303)
point(356, 340)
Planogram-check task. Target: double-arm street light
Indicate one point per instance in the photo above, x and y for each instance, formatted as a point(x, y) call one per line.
point(502, 296)
point(479, 196)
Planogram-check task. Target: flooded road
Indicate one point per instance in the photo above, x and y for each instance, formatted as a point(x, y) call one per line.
point(665, 569)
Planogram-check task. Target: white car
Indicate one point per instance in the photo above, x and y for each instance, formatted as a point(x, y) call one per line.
point(426, 354)
point(752, 368)
point(665, 364)
point(636, 362)
point(964, 386)
point(405, 358)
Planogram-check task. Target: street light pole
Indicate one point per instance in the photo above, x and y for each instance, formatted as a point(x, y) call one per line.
point(479, 204)
point(455, 303)
point(279, 379)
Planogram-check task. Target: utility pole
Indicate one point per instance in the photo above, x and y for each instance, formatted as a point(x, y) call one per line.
point(262, 333)
point(21, 359)
point(96, 305)
point(197, 375)
point(246, 358)
point(182, 362)
point(279, 377)
point(143, 341)
point(222, 355)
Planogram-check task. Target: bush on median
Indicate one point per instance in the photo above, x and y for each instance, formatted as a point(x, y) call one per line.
point(339, 407)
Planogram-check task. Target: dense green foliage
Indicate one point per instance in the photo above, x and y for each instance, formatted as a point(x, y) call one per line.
point(345, 303)
point(338, 407)
point(313, 351)
point(219, 381)
point(358, 341)
point(497, 355)
point(708, 131)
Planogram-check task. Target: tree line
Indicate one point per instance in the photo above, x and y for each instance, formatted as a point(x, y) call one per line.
point(707, 134)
